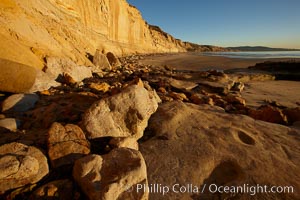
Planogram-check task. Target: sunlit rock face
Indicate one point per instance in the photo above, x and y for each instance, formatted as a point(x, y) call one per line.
point(198, 145)
point(74, 29)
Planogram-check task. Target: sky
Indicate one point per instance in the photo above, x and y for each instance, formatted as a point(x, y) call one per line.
point(272, 23)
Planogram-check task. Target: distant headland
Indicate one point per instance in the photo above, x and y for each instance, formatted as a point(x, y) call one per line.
point(259, 48)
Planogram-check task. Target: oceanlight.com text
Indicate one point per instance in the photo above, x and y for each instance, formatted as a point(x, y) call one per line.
point(249, 189)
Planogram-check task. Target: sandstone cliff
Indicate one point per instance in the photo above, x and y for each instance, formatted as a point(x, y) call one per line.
point(33, 29)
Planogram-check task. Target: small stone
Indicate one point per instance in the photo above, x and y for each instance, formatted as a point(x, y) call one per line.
point(162, 90)
point(229, 107)
point(209, 101)
point(19, 102)
point(112, 176)
point(235, 99)
point(100, 74)
point(45, 92)
point(57, 67)
point(168, 68)
point(145, 70)
point(216, 73)
point(43, 82)
point(166, 98)
point(119, 85)
point(111, 74)
point(293, 114)
point(66, 144)
point(273, 103)
point(238, 86)
point(11, 124)
point(128, 72)
point(220, 102)
point(215, 86)
point(128, 142)
point(215, 97)
point(100, 87)
point(230, 84)
point(136, 81)
point(178, 96)
point(147, 86)
point(197, 98)
point(182, 85)
point(69, 80)
point(59, 189)
point(269, 114)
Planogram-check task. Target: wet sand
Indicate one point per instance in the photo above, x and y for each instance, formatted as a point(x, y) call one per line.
point(195, 62)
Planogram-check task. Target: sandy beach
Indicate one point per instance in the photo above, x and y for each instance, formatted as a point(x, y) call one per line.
point(195, 61)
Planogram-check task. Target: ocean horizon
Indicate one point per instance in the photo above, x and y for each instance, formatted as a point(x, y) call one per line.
point(256, 54)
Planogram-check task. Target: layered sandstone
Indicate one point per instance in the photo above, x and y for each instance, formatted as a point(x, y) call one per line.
point(32, 30)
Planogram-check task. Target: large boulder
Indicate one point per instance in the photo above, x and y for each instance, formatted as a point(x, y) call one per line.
point(58, 67)
point(101, 62)
point(66, 144)
point(113, 60)
point(16, 77)
point(19, 102)
point(43, 81)
point(122, 115)
point(193, 145)
point(20, 165)
point(112, 176)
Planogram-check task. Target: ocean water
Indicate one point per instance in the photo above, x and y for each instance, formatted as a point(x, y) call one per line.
point(256, 54)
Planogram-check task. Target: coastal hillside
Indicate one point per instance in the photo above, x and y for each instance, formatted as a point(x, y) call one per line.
point(32, 30)
point(259, 48)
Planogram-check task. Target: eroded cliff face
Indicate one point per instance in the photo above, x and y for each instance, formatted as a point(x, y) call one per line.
point(33, 29)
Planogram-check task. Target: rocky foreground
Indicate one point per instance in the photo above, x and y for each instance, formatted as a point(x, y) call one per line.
point(98, 133)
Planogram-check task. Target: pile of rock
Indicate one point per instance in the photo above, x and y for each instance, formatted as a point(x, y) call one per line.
point(121, 117)
point(100, 130)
